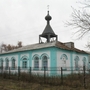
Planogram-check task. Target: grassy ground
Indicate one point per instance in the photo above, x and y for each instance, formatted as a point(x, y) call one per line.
point(8, 84)
point(25, 81)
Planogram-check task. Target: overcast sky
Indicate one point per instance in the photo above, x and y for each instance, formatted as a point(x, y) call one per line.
point(23, 20)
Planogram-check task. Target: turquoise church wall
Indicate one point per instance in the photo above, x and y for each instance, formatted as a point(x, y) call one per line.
point(53, 54)
point(53, 61)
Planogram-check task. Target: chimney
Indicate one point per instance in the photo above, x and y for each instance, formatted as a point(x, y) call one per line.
point(69, 44)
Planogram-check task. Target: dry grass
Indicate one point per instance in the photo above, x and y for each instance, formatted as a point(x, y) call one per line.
point(36, 82)
point(7, 84)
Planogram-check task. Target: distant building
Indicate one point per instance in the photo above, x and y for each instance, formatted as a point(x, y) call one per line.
point(49, 53)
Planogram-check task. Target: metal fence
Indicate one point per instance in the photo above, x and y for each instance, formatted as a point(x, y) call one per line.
point(52, 75)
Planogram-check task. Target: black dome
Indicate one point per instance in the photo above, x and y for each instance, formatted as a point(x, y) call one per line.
point(48, 17)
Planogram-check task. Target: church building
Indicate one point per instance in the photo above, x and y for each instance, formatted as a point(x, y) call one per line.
point(49, 54)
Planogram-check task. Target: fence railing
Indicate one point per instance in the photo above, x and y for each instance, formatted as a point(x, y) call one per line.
point(50, 75)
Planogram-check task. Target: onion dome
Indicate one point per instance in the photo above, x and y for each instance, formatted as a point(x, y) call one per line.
point(48, 17)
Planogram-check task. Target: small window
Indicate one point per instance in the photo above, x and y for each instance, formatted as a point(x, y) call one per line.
point(45, 61)
point(84, 61)
point(76, 63)
point(36, 62)
point(1, 63)
point(13, 63)
point(24, 64)
point(64, 59)
point(7, 64)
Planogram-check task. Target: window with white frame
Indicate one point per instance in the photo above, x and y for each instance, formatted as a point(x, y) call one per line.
point(1, 63)
point(13, 63)
point(24, 63)
point(64, 60)
point(84, 61)
point(44, 61)
point(7, 63)
point(36, 62)
point(76, 63)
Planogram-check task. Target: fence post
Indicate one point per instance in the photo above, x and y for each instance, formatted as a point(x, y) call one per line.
point(9, 72)
point(30, 73)
point(18, 72)
point(61, 76)
point(44, 74)
point(84, 77)
point(1, 71)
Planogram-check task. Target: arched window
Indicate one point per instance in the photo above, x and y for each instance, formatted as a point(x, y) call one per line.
point(24, 62)
point(84, 61)
point(1, 63)
point(64, 59)
point(13, 63)
point(36, 62)
point(76, 63)
point(7, 63)
point(44, 61)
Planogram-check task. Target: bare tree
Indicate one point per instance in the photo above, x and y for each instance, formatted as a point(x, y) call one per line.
point(19, 44)
point(9, 47)
point(80, 20)
point(5, 47)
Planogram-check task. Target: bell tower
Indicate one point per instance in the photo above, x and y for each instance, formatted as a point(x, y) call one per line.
point(48, 32)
